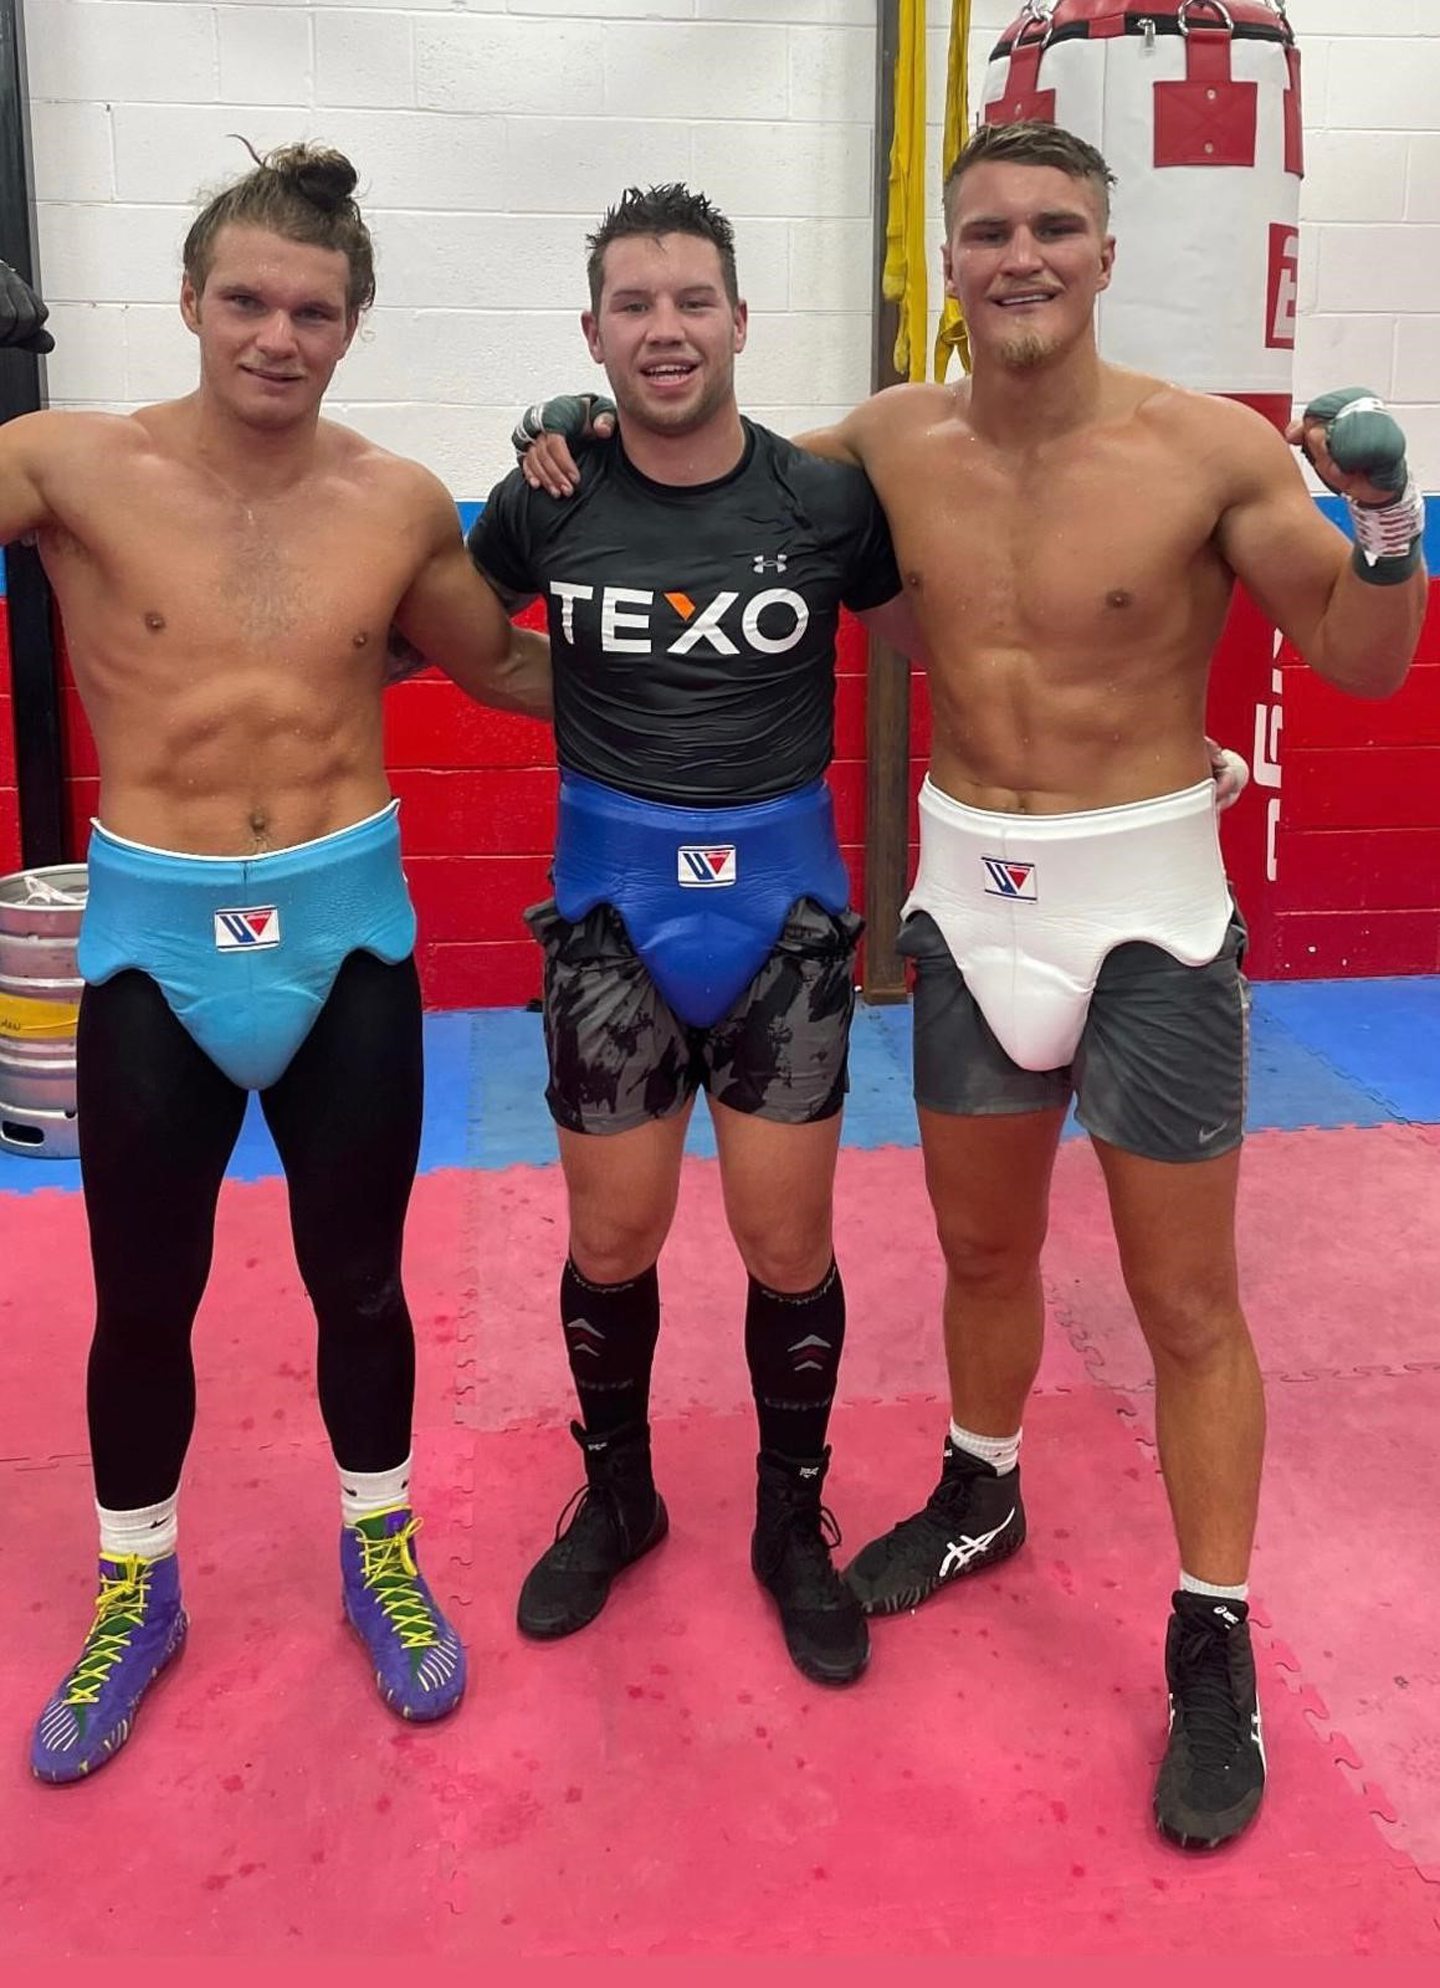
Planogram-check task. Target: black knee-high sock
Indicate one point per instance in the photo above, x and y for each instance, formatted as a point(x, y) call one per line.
point(610, 1335)
point(792, 1343)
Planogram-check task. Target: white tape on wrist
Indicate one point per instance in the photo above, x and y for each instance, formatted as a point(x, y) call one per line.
point(1388, 531)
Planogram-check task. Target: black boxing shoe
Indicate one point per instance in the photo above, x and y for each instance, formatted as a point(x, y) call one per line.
point(616, 1516)
point(1212, 1779)
point(972, 1520)
point(823, 1624)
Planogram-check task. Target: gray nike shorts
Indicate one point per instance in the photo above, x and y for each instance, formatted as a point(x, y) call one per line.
point(1161, 1067)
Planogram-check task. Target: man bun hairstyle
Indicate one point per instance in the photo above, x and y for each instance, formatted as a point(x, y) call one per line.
point(304, 193)
point(668, 209)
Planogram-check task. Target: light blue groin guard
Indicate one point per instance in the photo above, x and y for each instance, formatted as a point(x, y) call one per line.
point(246, 949)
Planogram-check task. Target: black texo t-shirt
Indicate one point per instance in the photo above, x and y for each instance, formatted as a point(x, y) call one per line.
point(692, 627)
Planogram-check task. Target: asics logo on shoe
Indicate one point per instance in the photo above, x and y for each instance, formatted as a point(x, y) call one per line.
point(959, 1553)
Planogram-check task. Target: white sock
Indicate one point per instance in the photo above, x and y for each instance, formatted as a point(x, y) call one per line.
point(363, 1493)
point(149, 1531)
point(1001, 1451)
point(1190, 1586)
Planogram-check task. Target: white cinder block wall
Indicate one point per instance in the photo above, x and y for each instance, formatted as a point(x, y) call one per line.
point(489, 134)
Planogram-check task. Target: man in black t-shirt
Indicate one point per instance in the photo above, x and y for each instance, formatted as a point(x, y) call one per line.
point(700, 936)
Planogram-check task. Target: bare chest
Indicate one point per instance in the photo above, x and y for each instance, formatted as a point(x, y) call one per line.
point(203, 574)
point(1107, 553)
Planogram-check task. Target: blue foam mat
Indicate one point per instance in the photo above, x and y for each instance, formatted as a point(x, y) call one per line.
point(1324, 1053)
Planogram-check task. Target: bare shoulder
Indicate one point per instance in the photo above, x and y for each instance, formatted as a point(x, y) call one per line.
point(60, 437)
point(1202, 420)
point(415, 495)
point(901, 412)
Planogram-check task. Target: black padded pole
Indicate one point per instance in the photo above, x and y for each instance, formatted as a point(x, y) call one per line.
point(887, 690)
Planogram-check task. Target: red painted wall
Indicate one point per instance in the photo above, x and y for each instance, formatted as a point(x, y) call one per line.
point(1359, 845)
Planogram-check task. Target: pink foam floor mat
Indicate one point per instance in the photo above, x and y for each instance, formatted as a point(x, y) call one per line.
point(1339, 1241)
point(665, 1782)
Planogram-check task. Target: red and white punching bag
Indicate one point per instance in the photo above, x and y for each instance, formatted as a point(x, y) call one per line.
point(1196, 106)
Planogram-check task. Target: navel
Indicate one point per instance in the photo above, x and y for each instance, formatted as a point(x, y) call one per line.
point(154, 622)
point(1119, 597)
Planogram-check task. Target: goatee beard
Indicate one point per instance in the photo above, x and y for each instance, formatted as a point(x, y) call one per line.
point(1026, 352)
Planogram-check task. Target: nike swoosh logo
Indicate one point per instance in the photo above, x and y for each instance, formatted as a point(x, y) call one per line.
point(1213, 1133)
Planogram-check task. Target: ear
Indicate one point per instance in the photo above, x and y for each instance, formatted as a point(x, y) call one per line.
point(189, 304)
point(742, 324)
point(1107, 261)
point(947, 265)
point(352, 325)
point(590, 325)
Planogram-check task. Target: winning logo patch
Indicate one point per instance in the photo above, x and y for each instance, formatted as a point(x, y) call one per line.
point(248, 929)
point(1006, 879)
point(706, 866)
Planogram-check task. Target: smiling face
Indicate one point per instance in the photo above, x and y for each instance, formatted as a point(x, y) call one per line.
point(1026, 256)
point(273, 323)
point(666, 331)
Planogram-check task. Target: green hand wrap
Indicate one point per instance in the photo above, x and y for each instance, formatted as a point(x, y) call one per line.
point(568, 414)
point(1364, 439)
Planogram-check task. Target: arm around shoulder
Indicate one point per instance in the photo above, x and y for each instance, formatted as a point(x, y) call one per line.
point(454, 619)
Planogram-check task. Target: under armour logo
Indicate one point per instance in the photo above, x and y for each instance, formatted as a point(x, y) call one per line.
point(760, 564)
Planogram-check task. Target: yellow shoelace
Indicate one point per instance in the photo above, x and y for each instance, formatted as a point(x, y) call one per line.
point(119, 1611)
point(391, 1572)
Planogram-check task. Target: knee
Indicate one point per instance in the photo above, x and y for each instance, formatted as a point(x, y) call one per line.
point(988, 1266)
point(609, 1248)
point(790, 1258)
point(1192, 1326)
point(357, 1293)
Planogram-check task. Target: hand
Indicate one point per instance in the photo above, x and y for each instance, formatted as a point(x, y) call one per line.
point(22, 315)
point(1230, 774)
point(1355, 446)
point(543, 436)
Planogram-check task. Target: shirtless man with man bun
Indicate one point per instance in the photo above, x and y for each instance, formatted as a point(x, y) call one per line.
point(229, 567)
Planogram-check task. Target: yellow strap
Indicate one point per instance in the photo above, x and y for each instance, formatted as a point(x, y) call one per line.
point(904, 278)
point(36, 1020)
point(952, 336)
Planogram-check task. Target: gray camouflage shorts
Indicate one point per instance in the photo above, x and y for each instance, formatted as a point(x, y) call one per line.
point(619, 1056)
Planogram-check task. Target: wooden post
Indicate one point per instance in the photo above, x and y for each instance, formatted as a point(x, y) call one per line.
point(887, 690)
point(34, 684)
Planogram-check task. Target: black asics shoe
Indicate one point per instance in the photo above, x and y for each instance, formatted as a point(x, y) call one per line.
point(614, 1517)
point(1213, 1775)
point(823, 1624)
point(974, 1519)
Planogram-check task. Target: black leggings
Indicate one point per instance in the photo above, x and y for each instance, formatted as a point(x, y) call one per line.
point(158, 1122)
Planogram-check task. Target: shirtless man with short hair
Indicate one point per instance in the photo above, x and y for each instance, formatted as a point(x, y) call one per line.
point(229, 567)
point(1070, 534)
